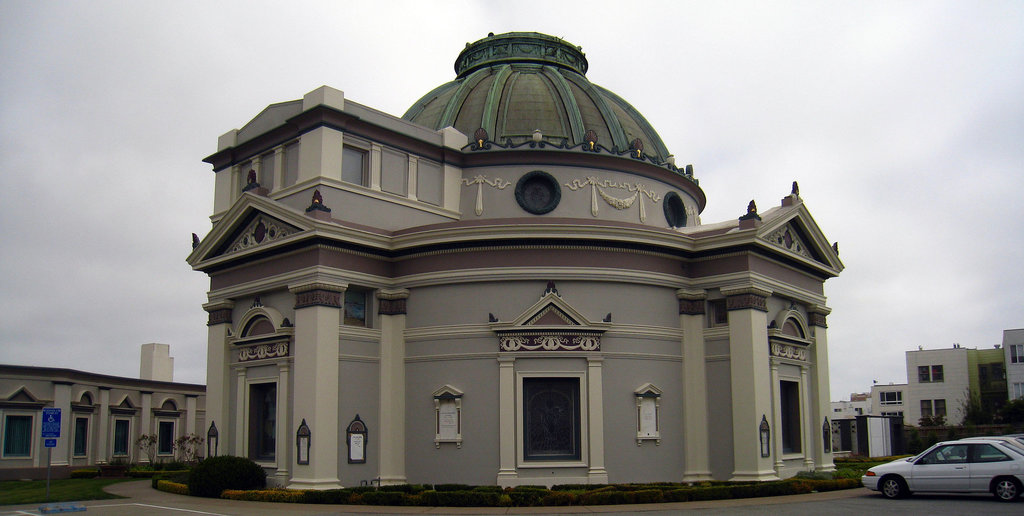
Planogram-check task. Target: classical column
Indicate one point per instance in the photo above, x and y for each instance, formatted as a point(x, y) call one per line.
point(218, 377)
point(777, 418)
point(240, 424)
point(102, 426)
point(62, 400)
point(316, 384)
point(506, 420)
point(750, 380)
point(820, 404)
point(282, 449)
point(807, 438)
point(595, 416)
point(191, 413)
point(391, 308)
point(695, 387)
point(145, 420)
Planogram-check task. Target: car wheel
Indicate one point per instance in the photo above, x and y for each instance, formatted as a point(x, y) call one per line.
point(1006, 489)
point(893, 487)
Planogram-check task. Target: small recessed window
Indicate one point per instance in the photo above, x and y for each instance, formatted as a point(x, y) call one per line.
point(165, 438)
point(355, 307)
point(81, 436)
point(354, 166)
point(718, 314)
point(17, 436)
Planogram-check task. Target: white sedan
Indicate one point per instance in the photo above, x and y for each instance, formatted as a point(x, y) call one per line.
point(964, 466)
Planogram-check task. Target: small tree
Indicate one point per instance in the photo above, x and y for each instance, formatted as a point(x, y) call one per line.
point(1012, 412)
point(147, 445)
point(187, 447)
point(974, 412)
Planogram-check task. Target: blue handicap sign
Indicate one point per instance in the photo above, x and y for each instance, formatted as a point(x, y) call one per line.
point(51, 422)
point(50, 443)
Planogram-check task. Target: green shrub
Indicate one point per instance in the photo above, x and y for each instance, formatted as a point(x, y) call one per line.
point(559, 498)
point(526, 496)
point(388, 498)
point(459, 499)
point(85, 473)
point(178, 477)
point(647, 496)
point(215, 474)
point(264, 495)
point(677, 495)
point(330, 496)
point(171, 487)
point(451, 487)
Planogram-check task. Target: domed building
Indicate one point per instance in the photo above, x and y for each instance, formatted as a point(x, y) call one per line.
point(508, 285)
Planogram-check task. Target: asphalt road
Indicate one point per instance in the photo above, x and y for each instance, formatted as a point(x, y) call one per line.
point(143, 500)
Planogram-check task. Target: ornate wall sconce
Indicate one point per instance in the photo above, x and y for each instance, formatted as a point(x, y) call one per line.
point(826, 436)
point(211, 440)
point(765, 433)
point(302, 440)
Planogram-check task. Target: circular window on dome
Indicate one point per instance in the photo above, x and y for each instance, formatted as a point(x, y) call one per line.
point(538, 192)
point(675, 212)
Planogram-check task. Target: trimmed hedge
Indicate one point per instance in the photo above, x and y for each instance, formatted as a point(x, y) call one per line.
point(152, 473)
point(215, 474)
point(171, 487)
point(266, 495)
point(457, 495)
point(85, 473)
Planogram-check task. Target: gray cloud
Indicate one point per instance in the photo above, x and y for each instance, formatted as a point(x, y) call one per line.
point(901, 121)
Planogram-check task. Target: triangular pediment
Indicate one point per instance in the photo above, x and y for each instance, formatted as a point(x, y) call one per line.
point(550, 324)
point(792, 231)
point(252, 224)
point(552, 315)
point(22, 395)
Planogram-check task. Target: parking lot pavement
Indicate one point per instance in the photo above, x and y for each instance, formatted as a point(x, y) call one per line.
point(141, 498)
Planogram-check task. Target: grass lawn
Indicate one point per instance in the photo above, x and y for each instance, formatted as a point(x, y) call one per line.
point(16, 492)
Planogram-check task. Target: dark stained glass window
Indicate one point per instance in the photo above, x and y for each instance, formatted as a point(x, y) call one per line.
point(551, 413)
point(262, 421)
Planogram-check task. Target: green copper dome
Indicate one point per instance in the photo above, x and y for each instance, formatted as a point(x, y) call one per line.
point(513, 84)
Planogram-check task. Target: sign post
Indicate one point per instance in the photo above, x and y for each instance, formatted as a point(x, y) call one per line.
point(51, 432)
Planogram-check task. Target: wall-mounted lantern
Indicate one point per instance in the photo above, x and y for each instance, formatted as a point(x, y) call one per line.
point(356, 439)
point(826, 436)
point(302, 439)
point(765, 433)
point(211, 440)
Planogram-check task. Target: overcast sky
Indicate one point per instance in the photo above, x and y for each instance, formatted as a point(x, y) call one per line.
point(902, 121)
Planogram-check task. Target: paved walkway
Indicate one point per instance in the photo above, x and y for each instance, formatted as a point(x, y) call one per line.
point(143, 499)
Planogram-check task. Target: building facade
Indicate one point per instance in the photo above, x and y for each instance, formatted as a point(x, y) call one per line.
point(508, 285)
point(941, 381)
point(1013, 348)
point(889, 400)
point(102, 416)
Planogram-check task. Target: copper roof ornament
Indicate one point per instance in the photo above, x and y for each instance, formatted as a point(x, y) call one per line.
point(591, 139)
point(317, 203)
point(250, 181)
point(796, 189)
point(636, 148)
point(751, 212)
point(480, 136)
